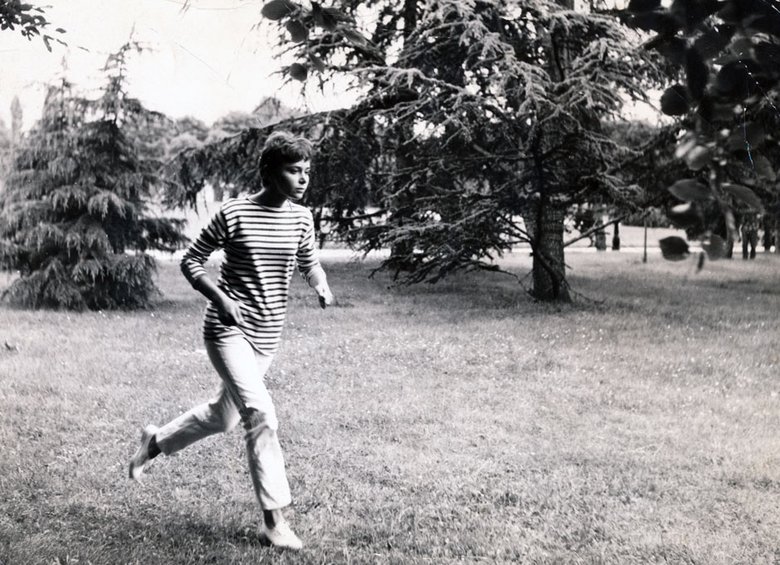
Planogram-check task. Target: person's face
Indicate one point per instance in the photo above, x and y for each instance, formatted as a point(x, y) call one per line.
point(292, 179)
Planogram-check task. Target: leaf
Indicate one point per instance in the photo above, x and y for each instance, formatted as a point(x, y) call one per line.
point(277, 9)
point(327, 18)
point(298, 31)
point(298, 71)
point(643, 5)
point(353, 36)
point(316, 13)
point(690, 190)
point(713, 41)
point(706, 108)
point(697, 74)
point(736, 141)
point(685, 145)
point(768, 24)
point(674, 248)
point(724, 59)
point(336, 14)
point(754, 133)
point(684, 216)
point(768, 55)
point(744, 195)
point(764, 168)
point(318, 63)
point(734, 80)
point(672, 48)
point(741, 47)
point(693, 12)
point(660, 22)
point(722, 111)
point(698, 157)
point(715, 247)
point(731, 13)
point(674, 101)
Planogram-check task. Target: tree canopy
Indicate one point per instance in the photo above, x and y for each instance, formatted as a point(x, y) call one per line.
point(479, 124)
point(75, 217)
point(28, 20)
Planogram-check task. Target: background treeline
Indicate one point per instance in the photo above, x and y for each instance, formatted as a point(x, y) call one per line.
point(479, 126)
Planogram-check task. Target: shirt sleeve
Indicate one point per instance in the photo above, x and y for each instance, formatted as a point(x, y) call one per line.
point(308, 263)
point(212, 237)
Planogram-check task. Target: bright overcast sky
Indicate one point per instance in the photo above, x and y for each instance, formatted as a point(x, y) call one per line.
point(206, 61)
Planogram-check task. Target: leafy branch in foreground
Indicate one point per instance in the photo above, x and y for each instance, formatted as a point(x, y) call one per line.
point(30, 21)
point(729, 55)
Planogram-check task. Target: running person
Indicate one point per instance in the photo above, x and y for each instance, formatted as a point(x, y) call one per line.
point(263, 236)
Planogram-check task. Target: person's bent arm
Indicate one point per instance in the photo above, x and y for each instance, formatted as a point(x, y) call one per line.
point(319, 282)
point(192, 266)
point(310, 267)
point(228, 309)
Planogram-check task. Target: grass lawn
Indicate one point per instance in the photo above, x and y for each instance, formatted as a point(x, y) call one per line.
point(456, 423)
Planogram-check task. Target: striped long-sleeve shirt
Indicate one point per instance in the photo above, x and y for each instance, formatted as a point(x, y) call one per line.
point(262, 246)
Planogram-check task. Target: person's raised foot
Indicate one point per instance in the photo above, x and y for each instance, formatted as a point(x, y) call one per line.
point(142, 455)
point(281, 535)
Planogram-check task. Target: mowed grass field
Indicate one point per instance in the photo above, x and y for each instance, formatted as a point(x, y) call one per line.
point(456, 423)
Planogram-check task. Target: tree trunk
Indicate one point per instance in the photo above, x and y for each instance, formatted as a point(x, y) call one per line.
point(402, 252)
point(549, 269)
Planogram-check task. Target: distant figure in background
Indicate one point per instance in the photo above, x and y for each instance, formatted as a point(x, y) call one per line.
point(769, 232)
point(616, 237)
point(264, 236)
point(749, 234)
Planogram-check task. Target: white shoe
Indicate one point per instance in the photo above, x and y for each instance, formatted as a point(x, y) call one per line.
point(141, 457)
point(281, 536)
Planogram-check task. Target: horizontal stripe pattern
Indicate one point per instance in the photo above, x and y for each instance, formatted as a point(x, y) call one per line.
point(262, 246)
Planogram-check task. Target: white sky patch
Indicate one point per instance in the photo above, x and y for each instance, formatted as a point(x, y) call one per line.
point(205, 62)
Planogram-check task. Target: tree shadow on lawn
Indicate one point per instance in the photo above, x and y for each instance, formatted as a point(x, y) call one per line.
point(708, 294)
point(597, 287)
point(143, 533)
point(478, 290)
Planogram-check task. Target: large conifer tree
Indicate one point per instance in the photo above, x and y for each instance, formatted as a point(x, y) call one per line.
point(75, 218)
point(475, 114)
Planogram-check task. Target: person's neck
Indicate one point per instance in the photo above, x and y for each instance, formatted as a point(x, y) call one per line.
point(270, 198)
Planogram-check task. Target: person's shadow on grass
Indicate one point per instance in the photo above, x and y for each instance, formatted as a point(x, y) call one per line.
point(142, 533)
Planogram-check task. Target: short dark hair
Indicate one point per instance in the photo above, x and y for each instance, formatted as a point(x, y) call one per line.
point(281, 148)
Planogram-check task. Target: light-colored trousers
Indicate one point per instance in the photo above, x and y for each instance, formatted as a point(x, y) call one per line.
point(242, 396)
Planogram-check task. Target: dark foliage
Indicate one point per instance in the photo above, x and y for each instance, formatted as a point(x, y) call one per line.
point(28, 20)
point(727, 51)
point(75, 215)
point(479, 125)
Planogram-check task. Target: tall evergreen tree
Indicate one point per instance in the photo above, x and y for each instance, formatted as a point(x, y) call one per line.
point(496, 112)
point(473, 116)
point(6, 150)
point(75, 221)
point(17, 116)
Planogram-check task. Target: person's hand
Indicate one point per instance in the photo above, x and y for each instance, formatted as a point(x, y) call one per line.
point(324, 294)
point(229, 312)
